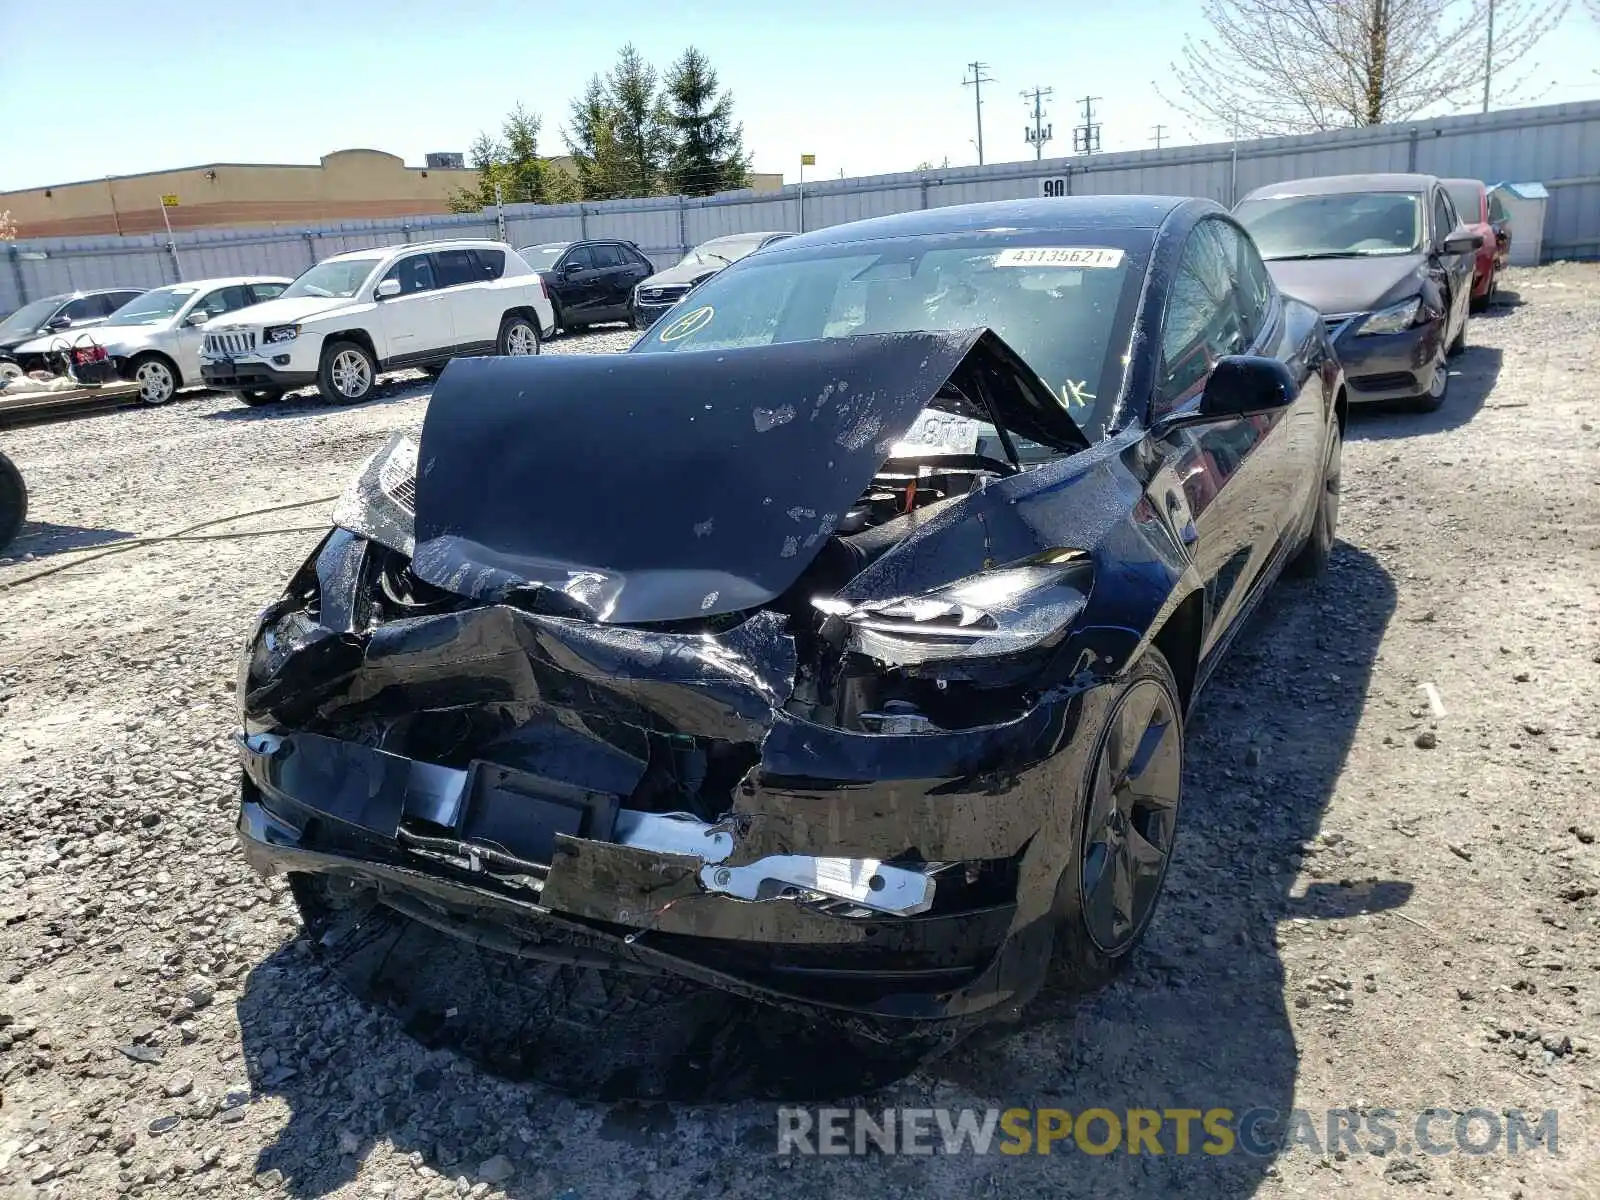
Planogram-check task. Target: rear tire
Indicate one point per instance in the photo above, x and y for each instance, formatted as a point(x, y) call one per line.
point(1312, 557)
point(347, 373)
point(519, 337)
point(13, 502)
point(1121, 838)
point(256, 397)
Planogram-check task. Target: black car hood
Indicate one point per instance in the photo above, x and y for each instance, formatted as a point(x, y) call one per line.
point(1350, 285)
point(683, 273)
point(640, 488)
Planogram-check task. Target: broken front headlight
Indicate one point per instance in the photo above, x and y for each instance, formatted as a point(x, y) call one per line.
point(1008, 611)
point(381, 502)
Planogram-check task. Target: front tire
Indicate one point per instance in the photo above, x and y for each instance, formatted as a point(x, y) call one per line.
point(13, 502)
point(1433, 399)
point(1313, 557)
point(518, 337)
point(1481, 303)
point(347, 373)
point(157, 378)
point(1124, 831)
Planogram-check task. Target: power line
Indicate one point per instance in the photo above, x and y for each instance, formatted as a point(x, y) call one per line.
point(1158, 131)
point(1086, 137)
point(1040, 133)
point(976, 84)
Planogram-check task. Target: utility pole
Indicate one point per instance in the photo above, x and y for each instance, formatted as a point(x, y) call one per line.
point(976, 84)
point(1086, 137)
point(1040, 133)
point(1488, 58)
point(1158, 131)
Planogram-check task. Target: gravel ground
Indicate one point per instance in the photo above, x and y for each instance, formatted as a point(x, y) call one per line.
point(1385, 895)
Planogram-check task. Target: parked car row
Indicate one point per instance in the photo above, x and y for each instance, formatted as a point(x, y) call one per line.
point(1393, 266)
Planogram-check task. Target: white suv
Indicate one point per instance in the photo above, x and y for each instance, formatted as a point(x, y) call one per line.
point(354, 315)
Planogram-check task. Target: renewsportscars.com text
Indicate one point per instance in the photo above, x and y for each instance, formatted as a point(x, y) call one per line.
point(1263, 1132)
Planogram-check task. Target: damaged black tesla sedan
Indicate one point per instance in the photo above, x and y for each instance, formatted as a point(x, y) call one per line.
point(833, 646)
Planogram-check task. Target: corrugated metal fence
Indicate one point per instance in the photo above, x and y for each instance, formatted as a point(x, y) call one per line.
point(1558, 145)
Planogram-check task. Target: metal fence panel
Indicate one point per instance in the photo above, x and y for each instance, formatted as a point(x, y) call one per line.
point(1558, 145)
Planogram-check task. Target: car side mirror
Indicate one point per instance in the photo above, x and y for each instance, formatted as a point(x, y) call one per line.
point(571, 269)
point(385, 289)
point(58, 322)
point(198, 317)
point(1240, 385)
point(1462, 242)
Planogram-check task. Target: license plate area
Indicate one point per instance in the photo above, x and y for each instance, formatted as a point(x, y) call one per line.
point(523, 813)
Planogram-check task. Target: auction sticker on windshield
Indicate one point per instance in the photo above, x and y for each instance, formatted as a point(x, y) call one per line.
point(692, 322)
point(1059, 256)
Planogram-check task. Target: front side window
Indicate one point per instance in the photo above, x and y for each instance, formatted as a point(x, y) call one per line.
point(1203, 320)
point(1340, 225)
point(415, 274)
point(1468, 201)
point(1061, 307)
point(340, 278)
point(1444, 216)
point(1497, 207)
point(224, 300)
point(82, 309)
point(580, 259)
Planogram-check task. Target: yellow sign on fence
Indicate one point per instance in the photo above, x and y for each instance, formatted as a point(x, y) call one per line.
point(169, 201)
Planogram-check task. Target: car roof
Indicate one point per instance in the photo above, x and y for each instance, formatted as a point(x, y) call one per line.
point(441, 244)
point(1044, 215)
point(751, 236)
point(81, 292)
point(220, 281)
point(1477, 183)
point(1338, 185)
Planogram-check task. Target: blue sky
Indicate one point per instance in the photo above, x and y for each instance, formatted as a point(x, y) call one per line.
point(868, 86)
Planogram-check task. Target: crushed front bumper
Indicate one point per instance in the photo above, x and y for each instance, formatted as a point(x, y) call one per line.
point(727, 905)
point(1390, 366)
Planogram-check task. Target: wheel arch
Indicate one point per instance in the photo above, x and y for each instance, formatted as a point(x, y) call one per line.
point(1179, 639)
point(359, 336)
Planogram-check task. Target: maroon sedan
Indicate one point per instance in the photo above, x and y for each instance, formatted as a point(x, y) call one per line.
point(1482, 212)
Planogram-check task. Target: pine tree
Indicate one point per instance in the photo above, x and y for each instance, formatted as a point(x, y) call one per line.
point(510, 165)
point(592, 143)
point(707, 153)
point(639, 124)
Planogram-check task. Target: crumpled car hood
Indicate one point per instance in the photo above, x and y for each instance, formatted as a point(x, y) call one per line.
point(661, 487)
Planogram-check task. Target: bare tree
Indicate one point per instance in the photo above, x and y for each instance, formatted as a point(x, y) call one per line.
point(1297, 66)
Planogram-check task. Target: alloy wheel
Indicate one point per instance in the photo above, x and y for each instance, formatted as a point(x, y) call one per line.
point(520, 339)
point(1133, 817)
point(155, 381)
point(352, 374)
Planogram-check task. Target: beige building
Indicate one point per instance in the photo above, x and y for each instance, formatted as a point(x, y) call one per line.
point(346, 185)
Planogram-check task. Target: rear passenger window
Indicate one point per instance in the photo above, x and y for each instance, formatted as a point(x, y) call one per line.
point(491, 263)
point(607, 256)
point(455, 267)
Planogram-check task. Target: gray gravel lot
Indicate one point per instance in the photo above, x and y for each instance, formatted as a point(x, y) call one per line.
point(1379, 901)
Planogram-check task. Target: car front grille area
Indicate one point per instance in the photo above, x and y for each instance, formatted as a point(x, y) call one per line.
point(670, 294)
point(242, 342)
point(1335, 323)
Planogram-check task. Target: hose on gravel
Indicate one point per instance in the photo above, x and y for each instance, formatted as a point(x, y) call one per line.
point(182, 535)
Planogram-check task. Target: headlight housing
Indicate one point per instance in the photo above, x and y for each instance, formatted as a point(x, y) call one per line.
point(380, 502)
point(274, 334)
point(1397, 318)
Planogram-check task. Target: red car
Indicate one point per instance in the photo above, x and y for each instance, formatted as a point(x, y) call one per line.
point(1482, 212)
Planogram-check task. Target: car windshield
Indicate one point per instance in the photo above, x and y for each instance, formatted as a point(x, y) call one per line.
point(29, 317)
point(1340, 225)
point(154, 307)
point(719, 253)
point(542, 258)
point(341, 277)
point(1058, 303)
point(1468, 200)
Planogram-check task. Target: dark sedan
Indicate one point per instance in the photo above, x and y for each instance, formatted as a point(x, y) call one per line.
point(665, 288)
point(831, 647)
point(64, 314)
point(1386, 260)
point(590, 281)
